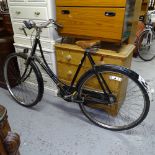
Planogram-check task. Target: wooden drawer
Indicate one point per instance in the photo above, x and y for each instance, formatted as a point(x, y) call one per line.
point(66, 71)
point(92, 22)
point(70, 57)
point(25, 41)
point(114, 3)
point(39, 13)
point(48, 56)
point(120, 56)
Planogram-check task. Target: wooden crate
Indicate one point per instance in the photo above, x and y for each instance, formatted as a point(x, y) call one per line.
point(68, 57)
point(107, 20)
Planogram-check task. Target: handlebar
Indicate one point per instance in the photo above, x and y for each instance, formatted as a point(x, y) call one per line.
point(31, 24)
point(38, 26)
point(146, 18)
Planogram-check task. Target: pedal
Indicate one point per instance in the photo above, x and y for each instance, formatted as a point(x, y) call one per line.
point(68, 98)
point(71, 96)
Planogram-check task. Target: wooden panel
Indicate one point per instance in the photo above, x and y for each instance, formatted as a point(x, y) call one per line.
point(91, 22)
point(114, 3)
point(18, 30)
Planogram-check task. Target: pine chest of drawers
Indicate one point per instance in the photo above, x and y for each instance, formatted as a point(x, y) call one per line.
point(108, 20)
point(68, 57)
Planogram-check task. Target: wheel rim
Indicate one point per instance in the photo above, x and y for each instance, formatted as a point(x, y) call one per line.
point(126, 117)
point(146, 47)
point(23, 89)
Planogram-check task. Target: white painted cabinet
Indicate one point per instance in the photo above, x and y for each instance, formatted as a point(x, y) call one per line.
point(39, 11)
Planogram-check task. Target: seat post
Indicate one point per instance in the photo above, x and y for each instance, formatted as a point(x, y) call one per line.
point(88, 54)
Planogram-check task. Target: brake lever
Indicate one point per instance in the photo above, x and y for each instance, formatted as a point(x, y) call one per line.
point(56, 24)
point(23, 29)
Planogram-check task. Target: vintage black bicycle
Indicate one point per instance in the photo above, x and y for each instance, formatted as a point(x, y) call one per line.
point(96, 92)
point(144, 40)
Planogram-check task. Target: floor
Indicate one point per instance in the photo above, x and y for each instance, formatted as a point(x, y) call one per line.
point(55, 127)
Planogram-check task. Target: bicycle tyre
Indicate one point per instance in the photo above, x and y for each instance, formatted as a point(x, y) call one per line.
point(92, 113)
point(28, 90)
point(146, 53)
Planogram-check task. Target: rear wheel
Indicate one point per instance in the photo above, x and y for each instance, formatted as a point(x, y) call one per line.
point(129, 103)
point(24, 85)
point(145, 47)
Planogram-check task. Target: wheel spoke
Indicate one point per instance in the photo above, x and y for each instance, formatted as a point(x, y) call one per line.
point(26, 90)
point(129, 109)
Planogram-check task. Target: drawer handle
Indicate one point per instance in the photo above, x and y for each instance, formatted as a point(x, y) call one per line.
point(18, 12)
point(37, 13)
point(69, 73)
point(66, 12)
point(68, 57)
point(110, 14)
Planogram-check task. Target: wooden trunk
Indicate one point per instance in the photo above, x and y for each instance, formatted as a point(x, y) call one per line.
point(68, 57)
point(106, 20)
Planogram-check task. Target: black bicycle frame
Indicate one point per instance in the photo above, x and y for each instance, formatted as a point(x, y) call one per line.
point(55, 78)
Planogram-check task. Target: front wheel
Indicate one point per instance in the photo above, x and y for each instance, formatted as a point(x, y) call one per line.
point(131, 101)
point(145, 47)
point(24, 82)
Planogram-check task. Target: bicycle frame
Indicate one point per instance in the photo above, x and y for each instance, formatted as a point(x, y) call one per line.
point(56, 80)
